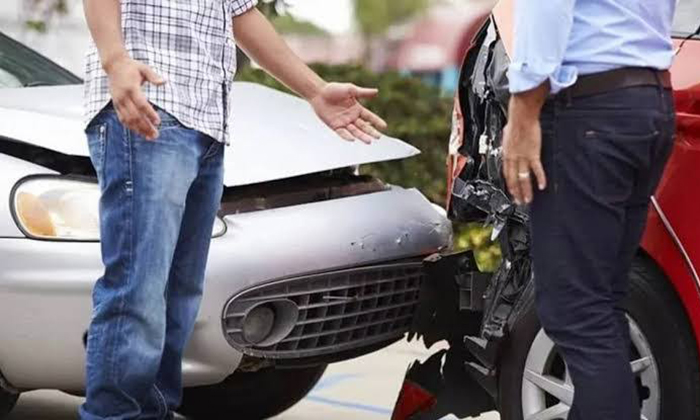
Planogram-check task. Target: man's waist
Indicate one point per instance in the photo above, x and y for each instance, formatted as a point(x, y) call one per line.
point(620, 78)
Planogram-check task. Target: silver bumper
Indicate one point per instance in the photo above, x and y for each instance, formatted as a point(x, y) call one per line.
point(45, 287)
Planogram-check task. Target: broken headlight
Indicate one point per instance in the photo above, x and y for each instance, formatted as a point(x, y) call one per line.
point(63, 209)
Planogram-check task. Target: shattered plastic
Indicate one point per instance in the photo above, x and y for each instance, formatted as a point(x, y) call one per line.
point(470, 310)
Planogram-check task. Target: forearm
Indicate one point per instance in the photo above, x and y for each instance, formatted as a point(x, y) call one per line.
point(542, 32)
point(526, 107)
point(104, 20)
point(259, 39)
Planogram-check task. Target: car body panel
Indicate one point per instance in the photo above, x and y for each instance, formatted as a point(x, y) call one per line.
point(274, 135)
point(48, 308)
point(672, 237)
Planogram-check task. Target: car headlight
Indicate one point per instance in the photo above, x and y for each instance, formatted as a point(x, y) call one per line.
point(63, 209)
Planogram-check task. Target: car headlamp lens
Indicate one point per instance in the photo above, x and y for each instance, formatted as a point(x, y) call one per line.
point(64, 209)
point(59, 209)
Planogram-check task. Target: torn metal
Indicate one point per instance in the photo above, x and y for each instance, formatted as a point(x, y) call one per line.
point(473, 311)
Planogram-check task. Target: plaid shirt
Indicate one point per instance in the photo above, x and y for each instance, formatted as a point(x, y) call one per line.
point(190, 44)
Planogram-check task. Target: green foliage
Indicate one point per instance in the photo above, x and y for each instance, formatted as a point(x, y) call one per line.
point(477, 238)
point(375, 17)
point(415, 112)
point(272, 8)
point(287, 24)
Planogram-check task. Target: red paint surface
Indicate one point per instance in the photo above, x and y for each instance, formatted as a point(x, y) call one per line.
point(677, 193)
point(413, 400)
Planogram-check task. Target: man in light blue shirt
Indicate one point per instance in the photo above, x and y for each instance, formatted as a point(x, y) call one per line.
point(591, 123)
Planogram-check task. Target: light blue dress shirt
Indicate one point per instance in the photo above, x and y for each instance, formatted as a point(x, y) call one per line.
point(562, 39)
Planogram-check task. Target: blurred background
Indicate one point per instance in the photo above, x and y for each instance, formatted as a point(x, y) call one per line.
point(412, 50)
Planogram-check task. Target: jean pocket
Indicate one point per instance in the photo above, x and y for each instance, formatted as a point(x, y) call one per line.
point(619, 161)
point(167, 120)
point(97, 143)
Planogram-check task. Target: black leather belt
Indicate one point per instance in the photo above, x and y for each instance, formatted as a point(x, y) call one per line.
point(597, 83)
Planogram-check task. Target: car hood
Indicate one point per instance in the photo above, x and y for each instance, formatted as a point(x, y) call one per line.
point(274, 135)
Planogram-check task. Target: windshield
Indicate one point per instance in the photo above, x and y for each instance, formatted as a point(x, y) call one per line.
point(20, 66)
point(687, 17)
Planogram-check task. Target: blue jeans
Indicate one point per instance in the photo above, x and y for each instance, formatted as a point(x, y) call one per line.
point(604, 156)
point(157, 211)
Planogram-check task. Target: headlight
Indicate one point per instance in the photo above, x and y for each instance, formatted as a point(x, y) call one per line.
point(63, 209)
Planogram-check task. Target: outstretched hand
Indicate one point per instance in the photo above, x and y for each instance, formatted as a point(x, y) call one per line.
point(338, 105)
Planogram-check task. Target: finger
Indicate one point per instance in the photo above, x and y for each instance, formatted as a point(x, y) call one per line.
point(525, 182)
point(359, 134)
point(146, 109)
point(151, 76)
point(373, 119)
point(345, 134)
point(137, 123)
point(540, 174)
point(509, 170)
point(363, 93)
point(367, 128)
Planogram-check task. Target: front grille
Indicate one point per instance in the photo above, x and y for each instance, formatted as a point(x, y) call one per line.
point(338, 311)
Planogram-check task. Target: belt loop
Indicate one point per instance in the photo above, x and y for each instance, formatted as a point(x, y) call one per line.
point(569, 97)
point(661, 89)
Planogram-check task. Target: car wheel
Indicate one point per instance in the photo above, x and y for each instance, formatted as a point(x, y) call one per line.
point(251, 395)
point(534, 381)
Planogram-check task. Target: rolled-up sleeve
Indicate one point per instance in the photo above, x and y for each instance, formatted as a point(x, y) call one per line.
point(238, 7)
point(542, 32)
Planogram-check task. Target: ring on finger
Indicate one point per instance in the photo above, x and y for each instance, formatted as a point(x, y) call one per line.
point(523, 175)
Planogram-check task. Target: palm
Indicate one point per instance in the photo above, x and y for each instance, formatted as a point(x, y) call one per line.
point(338, 106)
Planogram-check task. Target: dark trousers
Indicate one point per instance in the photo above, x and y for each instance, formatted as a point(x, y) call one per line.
point(604, 156)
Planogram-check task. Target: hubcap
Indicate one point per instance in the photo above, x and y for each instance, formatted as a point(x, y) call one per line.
point(548, 392)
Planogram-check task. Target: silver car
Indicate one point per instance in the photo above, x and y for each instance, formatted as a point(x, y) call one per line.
point(311, 263)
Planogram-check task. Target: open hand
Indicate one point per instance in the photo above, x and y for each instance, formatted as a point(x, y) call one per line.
point(522, 146)
point(338, 105)
point(126, 76)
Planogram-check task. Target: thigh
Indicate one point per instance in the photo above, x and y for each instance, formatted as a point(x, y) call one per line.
point(203, 202)
point(577, 224)
point(144, 190)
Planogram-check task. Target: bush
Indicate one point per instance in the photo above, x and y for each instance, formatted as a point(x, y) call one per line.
point(416, 113)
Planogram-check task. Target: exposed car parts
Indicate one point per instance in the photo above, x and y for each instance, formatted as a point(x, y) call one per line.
point(463, 379)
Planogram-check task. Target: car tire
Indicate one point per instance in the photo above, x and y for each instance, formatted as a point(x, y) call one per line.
point(656, 311)
point(7, 402)
point(251, 395)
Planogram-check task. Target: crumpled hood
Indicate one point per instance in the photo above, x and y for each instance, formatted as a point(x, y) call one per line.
point(274, 135)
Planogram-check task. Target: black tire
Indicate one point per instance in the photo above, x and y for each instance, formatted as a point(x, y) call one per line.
point(655, 307)
point(251, 395)
point(7, 403)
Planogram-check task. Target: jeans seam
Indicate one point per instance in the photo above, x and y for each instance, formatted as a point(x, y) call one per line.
point(128, 231)
point(211, 151)
point(162, 404)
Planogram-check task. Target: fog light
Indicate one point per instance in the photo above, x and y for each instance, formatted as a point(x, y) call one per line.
point(258, 324)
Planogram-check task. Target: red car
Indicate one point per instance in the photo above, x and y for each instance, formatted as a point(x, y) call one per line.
point(499, 357)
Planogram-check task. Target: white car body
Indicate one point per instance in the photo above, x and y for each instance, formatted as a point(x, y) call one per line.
point(45, 286)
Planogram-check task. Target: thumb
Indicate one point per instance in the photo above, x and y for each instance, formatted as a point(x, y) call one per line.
point(363, 93)
point(151, 76)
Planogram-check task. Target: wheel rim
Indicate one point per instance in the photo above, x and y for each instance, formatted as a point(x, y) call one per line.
point(547, 391)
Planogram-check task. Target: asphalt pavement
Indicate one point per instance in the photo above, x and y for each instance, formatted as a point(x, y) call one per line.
point(361, 389)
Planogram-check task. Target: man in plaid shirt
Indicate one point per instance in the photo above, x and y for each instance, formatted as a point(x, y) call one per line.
point(157, 105)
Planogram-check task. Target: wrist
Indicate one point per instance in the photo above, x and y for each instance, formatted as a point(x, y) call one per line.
point(110, 61)
point(314, 89)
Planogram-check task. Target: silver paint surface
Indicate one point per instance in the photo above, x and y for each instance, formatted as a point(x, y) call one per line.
point(274, 135)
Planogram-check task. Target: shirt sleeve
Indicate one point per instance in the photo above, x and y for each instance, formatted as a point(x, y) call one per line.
point(238, 7)
point(542, 32)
